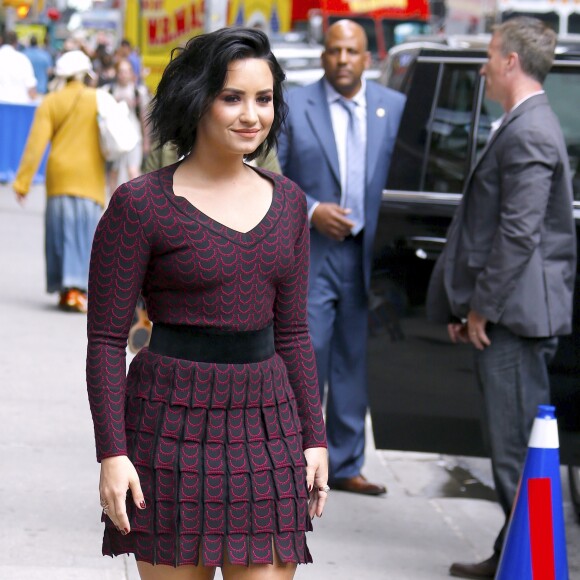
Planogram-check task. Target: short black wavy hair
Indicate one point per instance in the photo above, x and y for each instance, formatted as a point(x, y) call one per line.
point(195, 77)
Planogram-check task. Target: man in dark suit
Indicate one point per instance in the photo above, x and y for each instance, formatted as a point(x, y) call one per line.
point(337, 145)
point(505, 278)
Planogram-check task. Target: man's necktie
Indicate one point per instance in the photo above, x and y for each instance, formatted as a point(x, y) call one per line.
point(354, 195)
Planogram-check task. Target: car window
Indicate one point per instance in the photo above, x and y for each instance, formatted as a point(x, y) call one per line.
point(559, 85)
point(407, 164)
point(574, 23)
point(450, 130)
point(398, 70)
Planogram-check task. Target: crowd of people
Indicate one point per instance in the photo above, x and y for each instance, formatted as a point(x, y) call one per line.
point(27, 74)
point(78, 180)
point(15, 73)
point(213, 447)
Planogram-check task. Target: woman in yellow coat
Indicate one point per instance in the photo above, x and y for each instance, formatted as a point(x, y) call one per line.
point(75, 178)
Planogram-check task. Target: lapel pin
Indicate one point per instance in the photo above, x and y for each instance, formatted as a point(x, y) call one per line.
point(381, 112)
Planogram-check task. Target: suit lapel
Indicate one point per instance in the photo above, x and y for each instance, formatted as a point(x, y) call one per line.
point(375, 129)
point(318, 115)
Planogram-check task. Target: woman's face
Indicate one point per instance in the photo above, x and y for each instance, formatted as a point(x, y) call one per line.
point(125, 73)
point(242, 114)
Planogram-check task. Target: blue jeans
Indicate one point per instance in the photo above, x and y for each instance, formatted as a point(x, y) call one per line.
point(512, 374)
point(70, 224)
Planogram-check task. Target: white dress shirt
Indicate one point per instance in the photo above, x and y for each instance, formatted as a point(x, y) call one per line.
point(495, 125)
point(16, 76)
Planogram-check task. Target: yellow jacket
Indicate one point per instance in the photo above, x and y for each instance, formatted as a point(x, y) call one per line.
point(75, 164)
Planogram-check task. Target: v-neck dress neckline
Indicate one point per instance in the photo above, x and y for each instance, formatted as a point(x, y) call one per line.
point(249, 238)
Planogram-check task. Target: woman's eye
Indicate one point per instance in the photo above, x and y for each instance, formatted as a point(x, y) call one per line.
point(265, 99)
point(231, 98)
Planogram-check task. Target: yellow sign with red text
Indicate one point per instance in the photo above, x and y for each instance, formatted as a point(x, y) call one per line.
point(158, 26)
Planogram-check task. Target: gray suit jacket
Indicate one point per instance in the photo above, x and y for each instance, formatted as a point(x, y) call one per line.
point(511, 247)
point(307, 155)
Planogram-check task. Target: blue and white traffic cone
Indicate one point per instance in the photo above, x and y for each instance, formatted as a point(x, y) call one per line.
point(535, 545)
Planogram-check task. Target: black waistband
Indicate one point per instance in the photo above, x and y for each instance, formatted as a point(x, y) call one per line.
point(201, 344)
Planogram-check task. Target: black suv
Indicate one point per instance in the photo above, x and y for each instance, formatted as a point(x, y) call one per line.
point(423, 393)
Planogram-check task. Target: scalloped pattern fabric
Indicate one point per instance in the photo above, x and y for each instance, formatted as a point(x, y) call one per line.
point(218, 447)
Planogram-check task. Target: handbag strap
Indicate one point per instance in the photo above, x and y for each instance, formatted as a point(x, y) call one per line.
point(74, 106)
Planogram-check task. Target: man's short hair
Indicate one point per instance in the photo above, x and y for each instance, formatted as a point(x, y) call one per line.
point(33, 41)
point(532, 40)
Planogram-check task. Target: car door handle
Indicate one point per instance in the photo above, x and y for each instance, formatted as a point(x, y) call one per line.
point(426, 247)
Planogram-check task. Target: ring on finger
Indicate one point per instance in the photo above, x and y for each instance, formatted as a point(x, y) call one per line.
point(324, 488)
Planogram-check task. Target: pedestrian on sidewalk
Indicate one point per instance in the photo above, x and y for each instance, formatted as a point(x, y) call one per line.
point(75, 178)
point(337, 146)
point(505, 279)
point(125, 87)
point(42, 64)
point(217, 429)
point(17, 80)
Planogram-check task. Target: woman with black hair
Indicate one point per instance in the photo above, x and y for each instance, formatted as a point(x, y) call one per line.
point(213, 447)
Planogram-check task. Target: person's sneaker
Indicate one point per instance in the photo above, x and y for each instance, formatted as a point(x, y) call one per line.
point(80, 301)
point(73, 300)
point(63, 300)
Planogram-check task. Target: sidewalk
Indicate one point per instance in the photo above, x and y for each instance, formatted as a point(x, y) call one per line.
point(49, 504)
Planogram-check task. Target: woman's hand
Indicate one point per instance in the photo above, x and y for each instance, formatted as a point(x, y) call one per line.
point(118, 475)
point(316, 479)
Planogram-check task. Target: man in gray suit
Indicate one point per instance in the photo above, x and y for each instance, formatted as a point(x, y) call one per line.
point(337, 145)
point(504, 281)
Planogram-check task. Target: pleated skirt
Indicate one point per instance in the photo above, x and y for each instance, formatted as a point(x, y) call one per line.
point(218, 450)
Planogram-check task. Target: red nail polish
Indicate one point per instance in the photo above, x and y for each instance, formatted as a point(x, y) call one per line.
point(310, 488)
point(142, 505)
point(125, 531)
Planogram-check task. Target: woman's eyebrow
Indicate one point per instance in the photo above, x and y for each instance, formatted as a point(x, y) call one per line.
point(242, 92)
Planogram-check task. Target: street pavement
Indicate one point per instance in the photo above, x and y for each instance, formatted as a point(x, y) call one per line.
point(438, 508)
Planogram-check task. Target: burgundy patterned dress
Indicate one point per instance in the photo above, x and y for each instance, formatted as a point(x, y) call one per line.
point(218, 447)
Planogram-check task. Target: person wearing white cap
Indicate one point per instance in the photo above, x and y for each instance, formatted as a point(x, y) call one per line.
point(75, 178)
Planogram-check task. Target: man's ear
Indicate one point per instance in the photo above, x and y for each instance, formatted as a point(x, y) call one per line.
point(513, 61)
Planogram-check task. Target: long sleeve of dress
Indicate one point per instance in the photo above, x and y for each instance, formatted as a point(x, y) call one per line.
point(293, 340)
point(119, 260)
